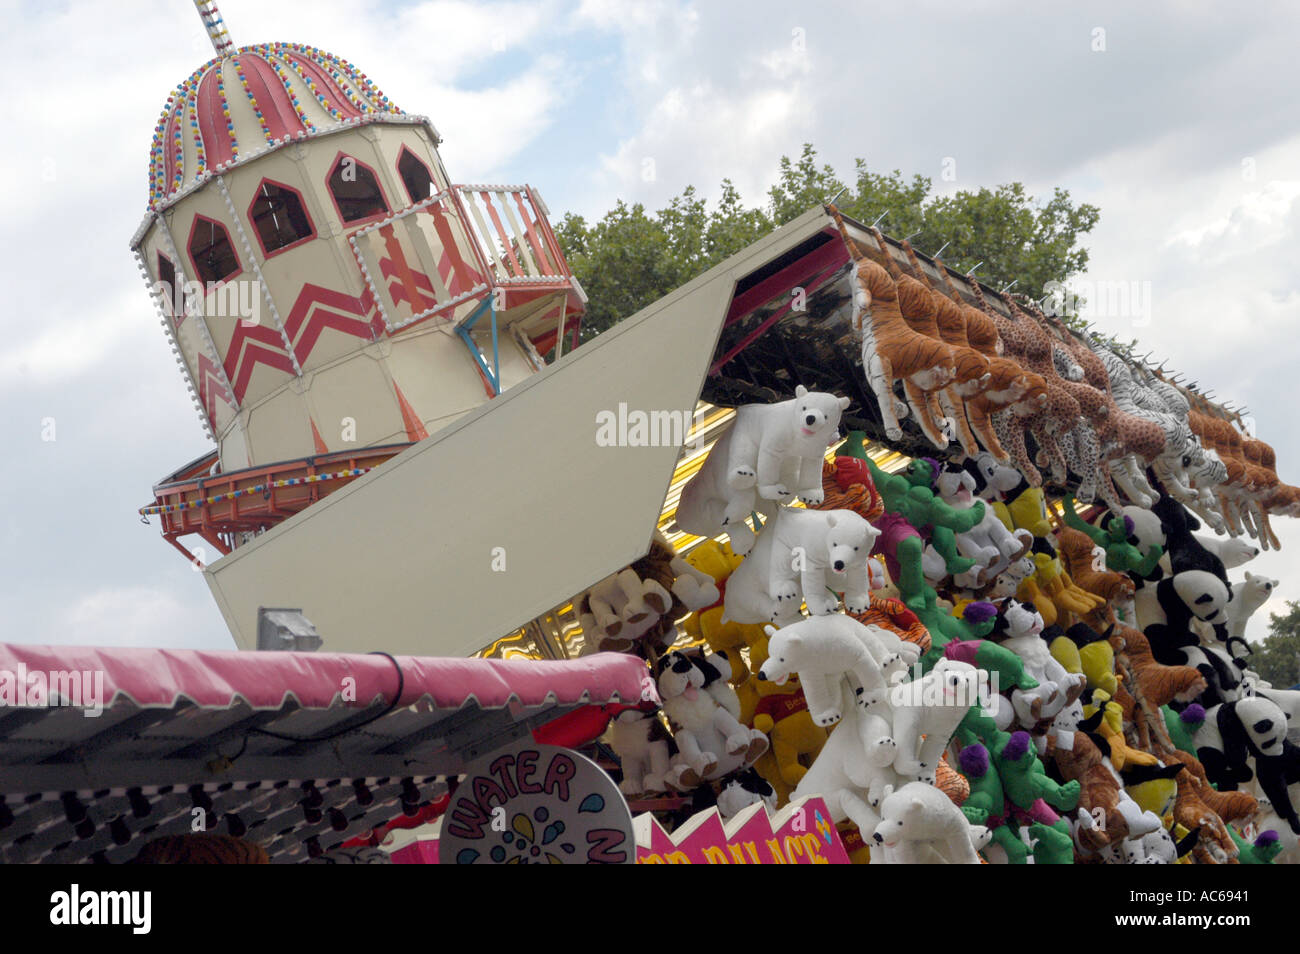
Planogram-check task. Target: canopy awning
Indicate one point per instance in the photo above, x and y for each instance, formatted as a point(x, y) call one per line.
point(290, 748)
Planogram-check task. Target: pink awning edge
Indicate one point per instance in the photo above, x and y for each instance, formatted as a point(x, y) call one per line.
point(159, 678)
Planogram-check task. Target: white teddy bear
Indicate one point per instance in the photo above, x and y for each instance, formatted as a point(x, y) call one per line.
point(1247, 596)
point(770, 451)
point(925, 713)
point(921, 825)
point(989, 543)
point(803, 556)
point(1019, 628)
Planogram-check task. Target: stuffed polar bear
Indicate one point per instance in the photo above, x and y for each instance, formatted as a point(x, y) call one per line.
point(921, 825)
point(770, 451)
point(850, 772)
point(801, 556)
point(1233, 551)
point(822, 650)
point(852, 785)
point(925, 713)
point(1247, 596)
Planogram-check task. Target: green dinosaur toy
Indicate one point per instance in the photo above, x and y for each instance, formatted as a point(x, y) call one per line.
point(854, 446)
point(977, 726)
point(1121, 555)
point(921, 599)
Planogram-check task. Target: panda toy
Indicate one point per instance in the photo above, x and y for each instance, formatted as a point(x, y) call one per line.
point(1257, 728)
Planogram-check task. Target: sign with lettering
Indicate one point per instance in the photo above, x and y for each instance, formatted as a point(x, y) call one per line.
point(802, 833)
point(536, 804)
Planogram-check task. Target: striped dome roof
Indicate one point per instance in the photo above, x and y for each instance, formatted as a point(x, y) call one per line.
point(251, 98)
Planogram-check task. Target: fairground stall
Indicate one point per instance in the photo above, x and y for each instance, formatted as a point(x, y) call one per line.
point(831, 554)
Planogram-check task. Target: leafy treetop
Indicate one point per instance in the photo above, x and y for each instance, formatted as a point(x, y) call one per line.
point(630, 258)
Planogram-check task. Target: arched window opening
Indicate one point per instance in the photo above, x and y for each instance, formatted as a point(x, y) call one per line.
point(167, 279)
point(415, 176)
point(279, 217)
point(213, 256)
point(356, 190)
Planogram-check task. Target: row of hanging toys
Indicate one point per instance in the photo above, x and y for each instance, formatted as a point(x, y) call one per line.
point(993, 379)
point(1100, 589)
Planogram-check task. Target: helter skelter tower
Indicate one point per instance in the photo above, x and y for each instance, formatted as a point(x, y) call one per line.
point(330, 296)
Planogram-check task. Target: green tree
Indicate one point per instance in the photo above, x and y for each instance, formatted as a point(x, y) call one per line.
point(630, 258)
point(1277, 656)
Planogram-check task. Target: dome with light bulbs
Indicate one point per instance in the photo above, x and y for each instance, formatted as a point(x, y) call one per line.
point(249, 100)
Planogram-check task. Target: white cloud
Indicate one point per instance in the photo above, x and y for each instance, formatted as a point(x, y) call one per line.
point(1257, 220)
point(132, 616)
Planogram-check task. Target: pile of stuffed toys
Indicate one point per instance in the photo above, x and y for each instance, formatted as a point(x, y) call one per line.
point(964, 670)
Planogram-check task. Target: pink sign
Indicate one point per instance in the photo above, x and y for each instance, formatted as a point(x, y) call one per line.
point(417, 853)
point(802, 833)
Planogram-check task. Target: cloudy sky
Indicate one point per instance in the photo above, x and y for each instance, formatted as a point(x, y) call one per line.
point(1179, 121)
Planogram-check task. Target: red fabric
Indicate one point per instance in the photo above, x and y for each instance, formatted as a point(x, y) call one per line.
point(577, 727)
point(781, 705)
point(428, 813)
point(850, 471)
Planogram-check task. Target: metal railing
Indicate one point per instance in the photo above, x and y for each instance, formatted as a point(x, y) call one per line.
point(509, 222)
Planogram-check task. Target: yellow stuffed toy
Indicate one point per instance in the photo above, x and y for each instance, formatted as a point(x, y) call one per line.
point(1064, 651)
point(1002, 513)
point(1098, 660)
point(1057, 586)
point(1029, 512)
point(1028, 592)
point(718, 561)
point(1111, 729)
point(1155, 789)
point(748, 696)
